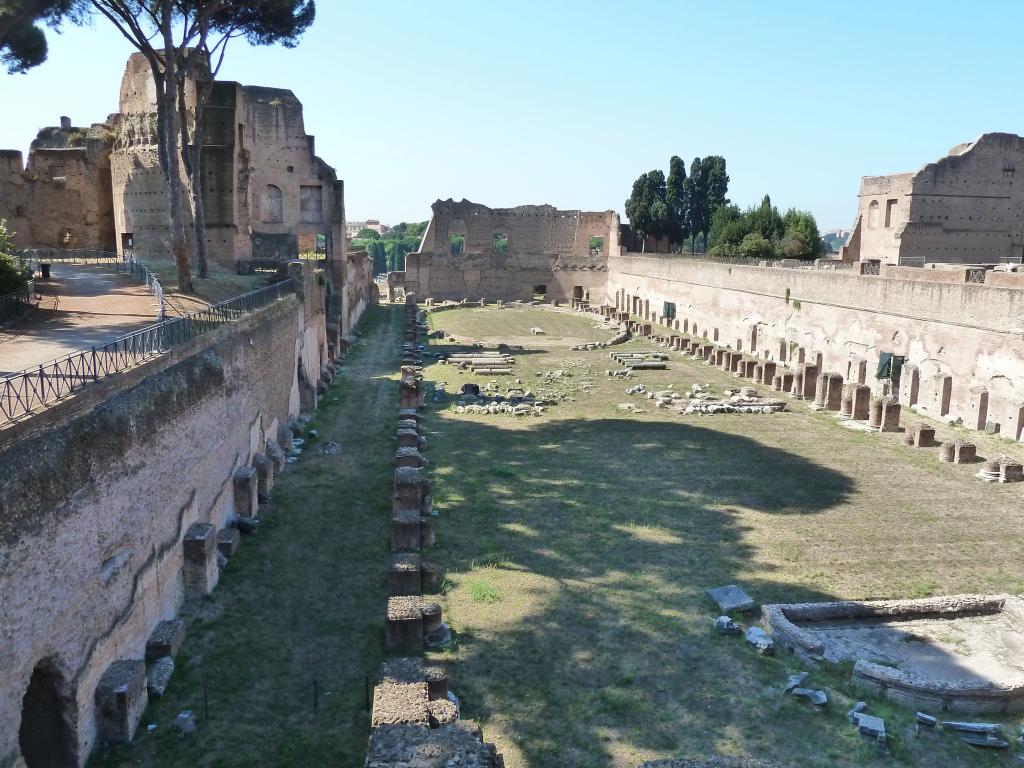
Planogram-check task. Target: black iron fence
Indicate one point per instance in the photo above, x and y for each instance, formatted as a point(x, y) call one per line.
point(126, 264)
point(33, 389)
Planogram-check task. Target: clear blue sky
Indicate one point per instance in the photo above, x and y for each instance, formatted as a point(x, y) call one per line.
point(567, 102)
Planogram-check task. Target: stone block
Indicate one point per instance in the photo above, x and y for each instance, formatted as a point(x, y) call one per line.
point(245, 487)
point(264, 475)
point(405, 530)
point(808, 380)
point(731, 598)
point(430, 577)
point(165, 639)
point(228, 540)
point(409, 457)
point(890, 419)
point(121, 698)
point(919, 435)
point(403, 627)
point(861, 402)
point(200, 560)
point(277, 456)
point(428, 531)
point(404, 574)
point(408, 438)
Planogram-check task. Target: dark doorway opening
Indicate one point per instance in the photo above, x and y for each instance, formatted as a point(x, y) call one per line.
point(47, 734)
point(539, 292)
point(577, 291)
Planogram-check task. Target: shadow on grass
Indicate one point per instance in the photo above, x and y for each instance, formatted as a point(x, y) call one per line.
point(578, 553)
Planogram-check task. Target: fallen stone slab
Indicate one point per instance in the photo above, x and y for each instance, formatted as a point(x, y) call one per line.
point(817, 698)
point(731, 598)
point(795, 681)
point(761, 641)
point(986, 740)
point(870, 725)
point(995, 729)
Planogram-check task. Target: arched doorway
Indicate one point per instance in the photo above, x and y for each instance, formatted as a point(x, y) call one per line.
point(47, 736)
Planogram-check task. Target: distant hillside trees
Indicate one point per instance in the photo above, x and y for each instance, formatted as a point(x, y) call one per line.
point(389, 250)
point(762, 232)
point(682, 206)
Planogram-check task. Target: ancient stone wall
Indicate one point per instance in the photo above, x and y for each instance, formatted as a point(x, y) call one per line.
point(264, 186)
point(964, 208)
point(472, 251)
point(62, 197)
point(99, 493)
point(963, 343)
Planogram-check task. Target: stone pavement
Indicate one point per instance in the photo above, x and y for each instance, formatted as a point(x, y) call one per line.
point(81, 307)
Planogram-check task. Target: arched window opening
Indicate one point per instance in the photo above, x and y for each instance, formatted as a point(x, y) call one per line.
point(47, 733)
point(272, 205)
point(873, 214)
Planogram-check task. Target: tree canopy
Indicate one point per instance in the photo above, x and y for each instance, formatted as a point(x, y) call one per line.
point(761, 232)
point(389, 250)
point(22, 38)
point(681, 206)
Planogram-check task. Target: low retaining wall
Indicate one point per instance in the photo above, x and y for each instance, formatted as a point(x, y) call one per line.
point(908, 688)
point(116, 505)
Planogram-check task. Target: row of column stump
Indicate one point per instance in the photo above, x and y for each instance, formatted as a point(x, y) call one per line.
point(827, 391)
point(414, 717)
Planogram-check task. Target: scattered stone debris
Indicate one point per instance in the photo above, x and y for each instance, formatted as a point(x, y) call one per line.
point(636, 389)
point(731, 598)
point(185, 722)
point(795, 681)
point(929, 721)
point(158, 676)
point(625, 373)
point(330, 448)
point(817, 698)
point(727, 626)
point(746, 400)
point(537, 331)
point(762, 642)
point(856, 709)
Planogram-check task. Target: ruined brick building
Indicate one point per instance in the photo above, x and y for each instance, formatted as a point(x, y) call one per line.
point(966, 208)
point(957, 329)
point(510, 253)
point(267, 195)
point(62, 197)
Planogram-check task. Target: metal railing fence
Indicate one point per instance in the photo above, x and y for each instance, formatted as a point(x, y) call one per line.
point(26, 392)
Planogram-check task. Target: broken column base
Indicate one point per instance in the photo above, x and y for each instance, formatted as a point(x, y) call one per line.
point(121, 698)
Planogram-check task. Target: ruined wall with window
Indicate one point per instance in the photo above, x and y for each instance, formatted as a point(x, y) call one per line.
point(965, 209)
point(472, 251)
point(60, 198)
point(264, 188)
point(959, 342)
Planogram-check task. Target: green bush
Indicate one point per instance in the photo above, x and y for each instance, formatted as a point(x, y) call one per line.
point(12, 272)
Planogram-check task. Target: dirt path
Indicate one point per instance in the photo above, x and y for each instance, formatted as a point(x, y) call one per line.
point(81, 307)
point(301, 601)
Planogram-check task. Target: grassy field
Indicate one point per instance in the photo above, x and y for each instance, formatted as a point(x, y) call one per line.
point(302, 600)
point(577, 547)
